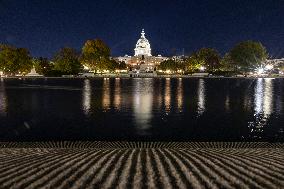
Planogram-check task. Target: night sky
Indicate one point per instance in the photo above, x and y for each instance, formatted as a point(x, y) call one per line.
point(44, 26)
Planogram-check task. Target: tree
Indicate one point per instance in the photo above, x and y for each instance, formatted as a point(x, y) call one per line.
point(15, 60)
point(122, 65)
point(226, 63)
point(248, 55)
point(210, 57)
point(193, 63)
point(171, 65)
point(207, 57)
point(166, 65)
point(95, 55)
point(5, 52)
point(66, 61)
point(42, 66)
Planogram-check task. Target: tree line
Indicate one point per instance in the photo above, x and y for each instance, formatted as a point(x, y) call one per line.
point(243, 57)
point(95, 55)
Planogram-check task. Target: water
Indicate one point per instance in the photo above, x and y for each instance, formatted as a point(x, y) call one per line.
point(142, 109)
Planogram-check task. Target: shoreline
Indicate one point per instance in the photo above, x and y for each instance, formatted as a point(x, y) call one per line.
point(162, 76)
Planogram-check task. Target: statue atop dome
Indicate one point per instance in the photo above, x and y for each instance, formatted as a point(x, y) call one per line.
point(143, 47)
point(142, 34)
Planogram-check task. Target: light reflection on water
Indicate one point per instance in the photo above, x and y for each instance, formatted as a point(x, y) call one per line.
point(87, 93)
point(117, 94)
point(143, 102)
point(179, 95)
point(227, 103)
point(159, 96)
point(201, 97)
point(145, 107)
point(258, 96)
point(167, 95)
point(268, 97)
point(263, 105)
point(106, 94)
point(3, 103)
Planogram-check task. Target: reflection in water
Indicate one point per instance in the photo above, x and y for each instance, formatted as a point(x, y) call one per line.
point(159, 95)
point(180, 95)
point(258, 96)
point(3, 103)
point(201, 97)
point(117, 94)
point(143, 102)
point(167, 95)
point(87, 92)
point(263, 97)
point(227, 103)
point(263, 105)
point(268, 97)
point(140, 103)
point(248, 101)
point(278, 102)
point(106, 94)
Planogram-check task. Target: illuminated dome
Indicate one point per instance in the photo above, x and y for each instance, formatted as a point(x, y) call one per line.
point(143, 46)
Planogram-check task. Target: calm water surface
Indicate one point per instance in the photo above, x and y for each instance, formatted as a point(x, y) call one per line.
point(142, 109)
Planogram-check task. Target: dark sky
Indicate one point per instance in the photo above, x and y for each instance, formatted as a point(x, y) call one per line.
point(44, 26)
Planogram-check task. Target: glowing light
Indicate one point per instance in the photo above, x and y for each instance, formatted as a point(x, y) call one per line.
point(202, 68)
point(260, 71)
point(168, 71)
point(86, 67)
point(269, 67)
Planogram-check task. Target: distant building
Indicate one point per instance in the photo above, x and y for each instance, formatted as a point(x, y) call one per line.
point(276, 62)
point(180, 58)
point(142, 55)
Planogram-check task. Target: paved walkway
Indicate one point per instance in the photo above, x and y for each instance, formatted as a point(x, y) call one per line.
point(141, 165)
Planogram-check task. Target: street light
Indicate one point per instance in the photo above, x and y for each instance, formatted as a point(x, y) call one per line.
point(260, 71)
point(202, 68)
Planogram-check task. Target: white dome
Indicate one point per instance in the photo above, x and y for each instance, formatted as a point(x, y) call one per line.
point(142, 46)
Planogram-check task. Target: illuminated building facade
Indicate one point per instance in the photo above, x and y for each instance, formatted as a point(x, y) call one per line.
point(142, 55)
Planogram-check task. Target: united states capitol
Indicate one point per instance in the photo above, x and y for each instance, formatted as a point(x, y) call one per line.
point(143, 62)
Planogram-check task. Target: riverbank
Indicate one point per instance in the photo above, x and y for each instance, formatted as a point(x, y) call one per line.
point(159, 76)
point(141, 165)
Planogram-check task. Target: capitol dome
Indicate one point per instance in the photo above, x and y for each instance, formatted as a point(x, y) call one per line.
point(142, 46)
